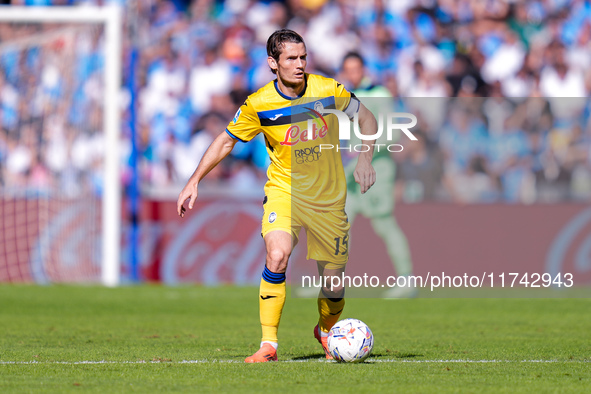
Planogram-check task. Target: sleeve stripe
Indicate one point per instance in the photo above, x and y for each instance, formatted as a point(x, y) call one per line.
point(233, 136)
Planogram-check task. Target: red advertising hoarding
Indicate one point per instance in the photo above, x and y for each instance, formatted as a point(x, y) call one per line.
point(219, 242)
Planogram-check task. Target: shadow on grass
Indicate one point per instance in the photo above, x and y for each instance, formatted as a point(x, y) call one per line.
point(387, 356)
point(310, 357)
point(395, 355)
point(379, 355)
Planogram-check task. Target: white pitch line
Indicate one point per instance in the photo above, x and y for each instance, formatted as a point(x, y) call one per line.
point(399, 361)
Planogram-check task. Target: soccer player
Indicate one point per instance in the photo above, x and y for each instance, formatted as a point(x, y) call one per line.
point(306, 186)
point(377, 204)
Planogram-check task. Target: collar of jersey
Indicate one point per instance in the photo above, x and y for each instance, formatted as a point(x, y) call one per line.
point(292, 98)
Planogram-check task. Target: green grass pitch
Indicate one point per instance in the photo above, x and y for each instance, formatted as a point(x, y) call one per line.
point(145, 334)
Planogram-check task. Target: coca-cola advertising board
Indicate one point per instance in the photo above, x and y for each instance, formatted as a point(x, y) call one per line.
point(219, 242)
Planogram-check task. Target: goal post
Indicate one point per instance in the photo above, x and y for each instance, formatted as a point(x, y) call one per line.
point(111, 18)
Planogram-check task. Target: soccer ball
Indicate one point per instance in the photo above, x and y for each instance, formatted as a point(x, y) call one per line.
point(350, 340)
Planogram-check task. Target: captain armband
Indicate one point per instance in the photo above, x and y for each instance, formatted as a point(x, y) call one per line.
point(353, 107)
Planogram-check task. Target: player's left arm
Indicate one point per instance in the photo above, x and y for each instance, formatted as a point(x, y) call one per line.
point(364, 173)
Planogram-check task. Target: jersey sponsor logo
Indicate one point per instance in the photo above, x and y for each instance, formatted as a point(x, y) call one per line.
point(294, 134)
point(267, 297)
point(307, 155)
point(316, 127)
point(272, 217)
point(276, 117)
point(237, 115)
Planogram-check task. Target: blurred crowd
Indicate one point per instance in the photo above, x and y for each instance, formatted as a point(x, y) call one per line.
point(51, 135)
point(496, 140)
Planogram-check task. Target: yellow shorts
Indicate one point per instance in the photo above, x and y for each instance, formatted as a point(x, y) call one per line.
point(327, 231)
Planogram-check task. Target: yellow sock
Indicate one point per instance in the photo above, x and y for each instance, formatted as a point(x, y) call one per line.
point(330, 310)
point(271, 301)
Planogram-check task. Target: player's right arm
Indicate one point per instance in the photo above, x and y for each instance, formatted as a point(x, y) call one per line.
point(219, 148)
point(244, 127)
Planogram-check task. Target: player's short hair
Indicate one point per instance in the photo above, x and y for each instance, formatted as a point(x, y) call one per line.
point(278, 39)
point(353, 55)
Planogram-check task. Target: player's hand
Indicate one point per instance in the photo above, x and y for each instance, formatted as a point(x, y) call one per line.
point(365, 175)
point(188, 192)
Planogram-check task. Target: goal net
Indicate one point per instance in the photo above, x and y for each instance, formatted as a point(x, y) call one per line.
point(59, 184)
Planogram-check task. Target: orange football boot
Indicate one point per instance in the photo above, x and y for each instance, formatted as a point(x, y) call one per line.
point(266, 353)
point(323, 341)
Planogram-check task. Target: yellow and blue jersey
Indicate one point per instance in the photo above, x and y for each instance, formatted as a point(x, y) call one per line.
point(311, 177)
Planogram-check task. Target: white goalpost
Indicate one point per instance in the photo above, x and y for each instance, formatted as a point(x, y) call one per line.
point(110, 18)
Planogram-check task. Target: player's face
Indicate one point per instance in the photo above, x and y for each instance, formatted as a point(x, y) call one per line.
point(292, 64)
point(353, 72)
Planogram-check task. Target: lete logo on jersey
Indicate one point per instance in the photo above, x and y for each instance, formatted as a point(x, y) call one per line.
point(316, 127)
